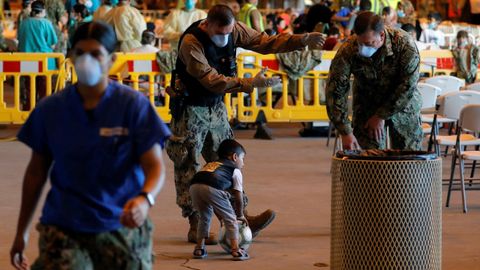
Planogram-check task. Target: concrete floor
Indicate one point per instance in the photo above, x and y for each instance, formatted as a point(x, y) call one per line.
point(290, 175)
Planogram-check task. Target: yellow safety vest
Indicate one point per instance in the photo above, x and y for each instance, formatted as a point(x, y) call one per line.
point(244, 16)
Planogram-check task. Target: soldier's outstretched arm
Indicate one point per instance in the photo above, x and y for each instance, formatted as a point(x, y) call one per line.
point(408, 79)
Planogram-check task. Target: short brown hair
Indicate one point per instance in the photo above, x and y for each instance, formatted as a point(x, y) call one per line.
point(462, 34)
point(368, 21)
point(221, 15)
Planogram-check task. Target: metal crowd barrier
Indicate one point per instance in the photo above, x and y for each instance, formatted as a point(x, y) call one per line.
point(142, 73)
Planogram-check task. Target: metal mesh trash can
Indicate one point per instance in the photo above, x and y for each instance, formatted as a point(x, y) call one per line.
point(386, 210)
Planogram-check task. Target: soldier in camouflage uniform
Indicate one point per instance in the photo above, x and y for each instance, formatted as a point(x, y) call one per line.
point(466, 57)
point(206, 68)
point(385, 64)
point(55, 10)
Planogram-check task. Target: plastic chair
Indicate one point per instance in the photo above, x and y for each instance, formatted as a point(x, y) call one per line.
point(429, 97)
point(429, 94)
point(473, 87)
point(450, 106)
point(446, 82)
point(469, 121)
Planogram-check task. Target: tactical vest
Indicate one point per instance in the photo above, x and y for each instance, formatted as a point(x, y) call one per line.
point(221, 59)
point(216, 174)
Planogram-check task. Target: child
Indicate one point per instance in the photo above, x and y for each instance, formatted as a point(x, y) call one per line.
point(466, 58)
point(211, 189)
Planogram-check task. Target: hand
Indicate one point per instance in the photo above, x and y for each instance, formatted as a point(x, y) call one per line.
point(314, 40)
point(135, 212)
point(243, 220)
point(261, 81)
point(17, 258)
point(349, 142)
point(375, 127)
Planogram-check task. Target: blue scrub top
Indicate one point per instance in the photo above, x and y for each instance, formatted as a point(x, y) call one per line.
point(36, 35)
point(96, 155)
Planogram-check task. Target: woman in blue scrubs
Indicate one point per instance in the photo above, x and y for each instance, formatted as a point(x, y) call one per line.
point(100, 143)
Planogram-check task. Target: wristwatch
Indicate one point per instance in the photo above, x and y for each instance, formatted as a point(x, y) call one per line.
point(149, 197)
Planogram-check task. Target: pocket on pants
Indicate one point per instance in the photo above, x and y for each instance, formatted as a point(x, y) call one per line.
point(176, 151)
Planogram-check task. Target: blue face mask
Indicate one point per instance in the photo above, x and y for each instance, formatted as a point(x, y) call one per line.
point(400, 13)
point(366, 51)
point(114, 2)
point(432, 25)
point(189, 5)
point(220, 40)
point(88, 69)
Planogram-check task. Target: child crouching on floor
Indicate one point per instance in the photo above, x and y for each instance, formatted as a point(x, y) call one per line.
point(211, 190)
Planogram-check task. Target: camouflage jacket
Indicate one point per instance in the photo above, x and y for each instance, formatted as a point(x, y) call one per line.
point(467, 64)
point(384, 84)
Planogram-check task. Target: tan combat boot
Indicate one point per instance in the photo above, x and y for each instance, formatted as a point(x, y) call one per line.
point(260, 222)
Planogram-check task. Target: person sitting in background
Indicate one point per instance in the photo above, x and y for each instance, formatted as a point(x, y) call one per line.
point(148, 42)
point(179, 20)
point(432, 34)
point(332, 39)
point(466, 57)
point(406, 12)
point(389, 17)
point(409, 28)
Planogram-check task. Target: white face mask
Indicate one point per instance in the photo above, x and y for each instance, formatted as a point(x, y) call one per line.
point(220, 40)
point(366, 51)
point(88, 69)
point(88, 4)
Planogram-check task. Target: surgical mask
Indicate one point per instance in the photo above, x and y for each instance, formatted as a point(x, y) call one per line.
point(88, 4)
point(357, 8)
point(114, 2)
point(432, 25)
point(463, 44)
point(400, 13)
point(88, 69)
point(366, 51)
point(189, 5)
point(220, 40)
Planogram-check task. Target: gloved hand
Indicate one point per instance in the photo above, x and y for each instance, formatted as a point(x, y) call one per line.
point(261, 81)
point(314, 40)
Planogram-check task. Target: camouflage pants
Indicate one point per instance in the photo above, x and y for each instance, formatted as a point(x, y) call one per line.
point(405, 130)
point(197, 133)
point(121, 249)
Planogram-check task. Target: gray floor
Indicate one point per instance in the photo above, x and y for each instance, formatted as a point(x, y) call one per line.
point(290, 175)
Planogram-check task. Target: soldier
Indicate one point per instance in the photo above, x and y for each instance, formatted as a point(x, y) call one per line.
point(55, 11)
point(466, 57)
point(206, 68)
point(385, 64)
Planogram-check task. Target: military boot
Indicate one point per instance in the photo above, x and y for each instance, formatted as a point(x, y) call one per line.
point(192, 232)
point(260, 222)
